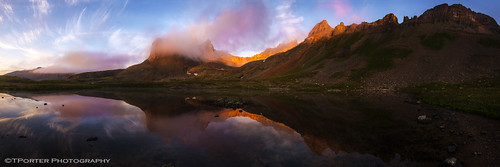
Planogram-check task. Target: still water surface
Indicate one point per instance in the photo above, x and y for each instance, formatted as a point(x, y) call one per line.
point(188, 129)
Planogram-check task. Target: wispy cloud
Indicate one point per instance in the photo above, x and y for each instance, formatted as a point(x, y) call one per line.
point(7, 11)
point(102, 14)
point(27, 37)
point(344, 11)
point(288, 23)
point(133, 44)
point(43, 36)
point(341, 7)
point(71, 31)
point(124, 6)
point(7, 46)
point(40, 7)
point(38, 32)
point(74, 2)
point(82, 61)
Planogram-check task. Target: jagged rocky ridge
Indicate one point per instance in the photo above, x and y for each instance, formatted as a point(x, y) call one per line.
point(455, 17)
point(444, 44)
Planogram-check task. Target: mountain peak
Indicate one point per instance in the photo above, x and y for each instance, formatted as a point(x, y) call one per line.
point(323, 22)
point(390, 19)
point(458, 14)
point(320, 30)
point(339, 29)
point(207, 46)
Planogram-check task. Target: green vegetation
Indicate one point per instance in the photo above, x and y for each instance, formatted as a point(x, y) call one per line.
point(321, 53)
point(489, 43)
point(286, 81)
point(353, 38)
point(14, 83)
point(312, 62)
point(377, 59)
point(11, 79)
point(436, 41)
point(291, 76)
point(347, 85)
point(479, 97)
point(337, 75)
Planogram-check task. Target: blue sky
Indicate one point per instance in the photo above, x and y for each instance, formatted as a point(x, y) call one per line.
point(88, 35)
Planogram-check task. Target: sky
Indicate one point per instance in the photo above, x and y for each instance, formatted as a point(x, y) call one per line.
point(91, 35)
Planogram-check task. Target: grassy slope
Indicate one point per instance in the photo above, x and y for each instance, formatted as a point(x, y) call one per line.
point(478, 97)
point(378, 58)
point(436, 41)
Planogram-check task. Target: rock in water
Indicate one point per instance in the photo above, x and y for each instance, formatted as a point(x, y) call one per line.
point(451, 162)
point(92, 139)
point(452, 149)
point(424, 119)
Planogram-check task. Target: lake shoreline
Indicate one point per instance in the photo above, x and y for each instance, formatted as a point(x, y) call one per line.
point(446, 134)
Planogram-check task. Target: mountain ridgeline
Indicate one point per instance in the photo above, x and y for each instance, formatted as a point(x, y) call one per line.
point(34, 74)
point(445, 44)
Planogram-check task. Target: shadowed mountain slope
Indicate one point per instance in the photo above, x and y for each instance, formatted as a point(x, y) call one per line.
point(445, 44)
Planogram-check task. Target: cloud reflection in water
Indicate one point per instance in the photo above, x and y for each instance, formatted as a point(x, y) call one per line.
point(128, 135)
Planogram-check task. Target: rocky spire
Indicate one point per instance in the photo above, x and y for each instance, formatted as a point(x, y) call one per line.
point(339, 29)
point(207, 46)
point(320, 30)
point(389, 19)
point(154, 49)
point(456, 17)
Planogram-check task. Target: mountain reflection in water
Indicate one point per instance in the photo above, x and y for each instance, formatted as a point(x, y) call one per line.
point(165, 129)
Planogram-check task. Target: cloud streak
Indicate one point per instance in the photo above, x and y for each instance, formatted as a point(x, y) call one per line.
point(82, 61)
point(343, 10)
point(74, 2)
point(7, 11)
point(341, 7)
point(38, 32)
point(288, 23)
point(40, 7)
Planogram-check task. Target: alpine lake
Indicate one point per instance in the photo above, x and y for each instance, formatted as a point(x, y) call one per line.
point(159, 127)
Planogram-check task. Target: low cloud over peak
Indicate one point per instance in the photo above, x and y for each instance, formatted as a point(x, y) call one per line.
point(246, 25)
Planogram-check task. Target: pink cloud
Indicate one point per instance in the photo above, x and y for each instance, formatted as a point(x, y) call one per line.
point(247, 26)
point(341, 8)
point(81, 61)
point(243, 26)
